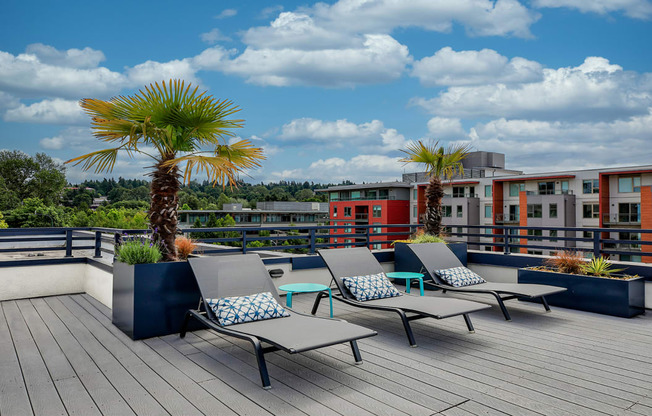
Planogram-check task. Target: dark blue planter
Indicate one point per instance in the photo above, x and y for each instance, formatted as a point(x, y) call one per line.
point(623, 298)
point(150, 300)
point(406, 261)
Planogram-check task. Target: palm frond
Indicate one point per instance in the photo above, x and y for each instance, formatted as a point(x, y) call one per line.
point(437, 160)
point(103, 160)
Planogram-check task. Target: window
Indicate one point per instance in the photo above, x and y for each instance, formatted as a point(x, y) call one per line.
point(415, 194)
point(377, 211)
point(629, 184)
point(378, 246)
point(537, 233)
point(487, 191)
point(632, 237)
point(355, 195)
point(335, 211)
point(587, 234)
point(459, 211)
point(552, 211)
point(591, 186)
point(371, 194)
point(628, 257)
point(347, 243)
point(377, 229)
point(383, 194)
point(415, 211)
point(534, 211)
point(460, 230)
point(564, 187)
point(513, 189)
point(472, 191)
point(489, 231)
point(546, 188)
point(488, 248)
point(348, 229)
point(553, 235)
point(590, 210)
point(535, 252)
point(487, 210)
point(347, 211)
point(335, 196)
point(514, 212)
point(458, 191)
point(446, 211)
point(629, 212)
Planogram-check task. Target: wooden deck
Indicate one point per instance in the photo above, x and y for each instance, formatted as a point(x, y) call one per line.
point(61, 355)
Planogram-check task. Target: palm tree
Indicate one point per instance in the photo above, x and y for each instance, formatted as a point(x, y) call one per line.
point(440, 163)
point(182, 131)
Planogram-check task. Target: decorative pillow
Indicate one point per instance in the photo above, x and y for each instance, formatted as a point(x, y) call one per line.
point(239, 309)
point(459, 276)
point(373, 286)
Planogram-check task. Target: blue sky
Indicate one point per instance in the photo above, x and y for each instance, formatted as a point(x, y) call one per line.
point(332, 90)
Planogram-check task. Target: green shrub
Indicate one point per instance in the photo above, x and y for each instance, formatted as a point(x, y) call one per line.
point(138, 252)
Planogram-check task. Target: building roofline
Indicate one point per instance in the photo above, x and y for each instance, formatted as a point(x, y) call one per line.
point(366, 186)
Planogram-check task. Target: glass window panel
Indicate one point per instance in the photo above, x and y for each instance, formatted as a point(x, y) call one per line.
point(487, 211)
point(487, 191)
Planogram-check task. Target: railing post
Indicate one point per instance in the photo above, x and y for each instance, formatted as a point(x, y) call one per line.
point(506, 240)
point(244, 242)
point(98, 244)
point(68, 243)
point(313, 241)
point(596, 244)
point(368, 237)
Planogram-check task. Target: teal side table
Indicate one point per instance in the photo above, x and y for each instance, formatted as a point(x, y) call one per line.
point(305, 288)
point(408, 276)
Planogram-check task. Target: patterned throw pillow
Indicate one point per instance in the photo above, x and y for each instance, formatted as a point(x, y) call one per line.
point(239, 309)
point(373, 286)
point(459, 276)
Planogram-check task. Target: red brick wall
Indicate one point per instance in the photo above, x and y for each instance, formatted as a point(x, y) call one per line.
point(646, 220)
point(522, 219)
point(497, 207)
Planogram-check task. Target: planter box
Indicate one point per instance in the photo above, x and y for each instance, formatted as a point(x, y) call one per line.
point(150, 300)
point(624, 298)
point(406, 261)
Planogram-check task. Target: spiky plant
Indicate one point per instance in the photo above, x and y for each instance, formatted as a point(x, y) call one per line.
point(182, 131)
point(441, 163)
point(599, 266)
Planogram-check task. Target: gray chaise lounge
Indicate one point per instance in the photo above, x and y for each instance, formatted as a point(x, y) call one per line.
point(437, 256)
point(241, 275)
point(350, 262)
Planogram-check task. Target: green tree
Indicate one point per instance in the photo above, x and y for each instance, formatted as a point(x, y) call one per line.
point(221, 200)
point(178, 123)
point(23, 176)
point(34, 213)
point(440, 163)
point(3, 224)
point(304, 195)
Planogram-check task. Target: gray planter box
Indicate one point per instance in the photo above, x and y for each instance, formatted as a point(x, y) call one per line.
point(150, 300)
point(623, 298)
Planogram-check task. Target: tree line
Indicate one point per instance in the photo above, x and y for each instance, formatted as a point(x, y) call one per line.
point(34, 192)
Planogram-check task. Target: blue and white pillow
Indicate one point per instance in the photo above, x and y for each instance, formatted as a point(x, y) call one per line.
point(372, 286)
point(240, 309)
point(459, 276)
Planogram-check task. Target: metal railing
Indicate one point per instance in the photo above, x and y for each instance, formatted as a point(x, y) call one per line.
point(503, 238)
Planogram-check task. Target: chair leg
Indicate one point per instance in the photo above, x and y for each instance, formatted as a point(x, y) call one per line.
point(315, 305)
point(501, 303)
point(184, 325)
point(356, 352)
point(545, 303)
point(469, 324)
point(262, 365)
point(408, 329)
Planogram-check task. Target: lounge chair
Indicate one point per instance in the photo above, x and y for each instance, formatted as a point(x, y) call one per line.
point(437, 256)
point(349, 262)
point(242, 275)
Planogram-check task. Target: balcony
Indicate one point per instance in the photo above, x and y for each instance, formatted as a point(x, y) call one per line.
point(621, 219)
point(62, 353)
point(548, 192)
point(507, 219)
point(461, 196)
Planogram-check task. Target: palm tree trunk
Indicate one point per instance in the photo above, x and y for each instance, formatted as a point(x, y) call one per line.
point(163, 208)
point(434, 193)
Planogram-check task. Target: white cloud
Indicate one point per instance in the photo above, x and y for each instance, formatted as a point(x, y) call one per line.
point(213, 37)
point(52, 143)
point(379, 59)
point(445, 128)
point(546, 145)
point(57, 111)
point(227, 13)
point(637, 9)
point(25, 75)
point(479, 17)
point(595, 90)
point(368, 168)
point(270, 11)
point(448, 67)
point(8, 101)
point(73, 58)
point(152, 71)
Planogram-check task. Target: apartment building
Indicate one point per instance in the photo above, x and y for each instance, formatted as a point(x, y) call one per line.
point(368, 204)
point(618, 198)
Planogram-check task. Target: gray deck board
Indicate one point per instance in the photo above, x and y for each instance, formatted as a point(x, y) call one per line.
point(62, 355)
